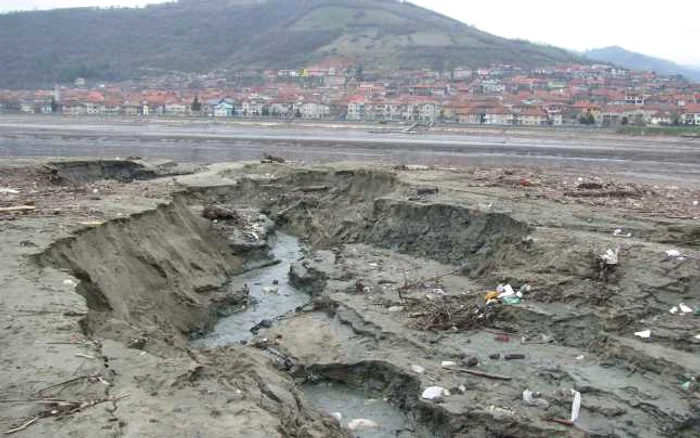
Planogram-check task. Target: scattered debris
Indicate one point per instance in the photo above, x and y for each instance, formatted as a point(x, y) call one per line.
point(412, 167)
point(217, 212)
point(8, 191)
point(685, 309)
point(512, 301)
point(396, 309)
point(500, 412)
point(514, 356)
point(485, 375)
point(621, 233)
point(495, 356)
point(360, 287)
point(646, 334)
point(589, 186)
point(422, 191)
point(610, 257)
point(575, 406)
point(23, 426)
point(338, 416)
point(417, 369)
point(502, 338)
point(449, 313)
point(69, 283)
point(361, 423)
point(138, 343)
point(271, 159)
point(271, 289)
point(447, 364)
point(264, 324)
point(470, 361)
point(17, 209)
point(434, 393)
point(533, 400)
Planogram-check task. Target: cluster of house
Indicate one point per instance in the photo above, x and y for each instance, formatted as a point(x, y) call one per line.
point(502, 95)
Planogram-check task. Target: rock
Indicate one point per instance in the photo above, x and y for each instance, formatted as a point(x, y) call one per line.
point(338, 416)
point(271, 290)
point(470, 361)
point(396, 309)
point(217, 212)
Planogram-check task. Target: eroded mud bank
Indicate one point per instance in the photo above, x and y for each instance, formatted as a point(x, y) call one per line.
point(398, 265)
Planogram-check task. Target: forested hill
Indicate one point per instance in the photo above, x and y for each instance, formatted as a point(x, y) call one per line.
point(44, 47)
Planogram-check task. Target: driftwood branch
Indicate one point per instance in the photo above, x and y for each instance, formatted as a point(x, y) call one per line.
point(483, 374)
point(22, 427)
point(18, 209)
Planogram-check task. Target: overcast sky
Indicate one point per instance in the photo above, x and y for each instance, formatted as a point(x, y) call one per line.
point(667, 30)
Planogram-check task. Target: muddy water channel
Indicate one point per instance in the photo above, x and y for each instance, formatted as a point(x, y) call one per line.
point(272, 296)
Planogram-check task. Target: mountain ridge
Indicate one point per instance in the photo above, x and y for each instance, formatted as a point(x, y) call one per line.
point(638, 61)
point(45, 47)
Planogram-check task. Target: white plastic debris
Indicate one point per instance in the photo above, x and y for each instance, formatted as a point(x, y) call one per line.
point(674, 310)
point(505, 290)
point(575, 406)
point(674, 253)
point(646, 334)
point(462, 389)
point(433, 392)
point(416, 167)
point(581, 357)
point(530, 400)
point(448, 364)
point(417, 369)
point(610, 257)
point(69, 283)
point(695, 203)
point(621, 233)
point(697, 337)
point(361, 423)
point(8, 191)
point(338, 416)
point(497, 412)
point(685, 309)
point(270, 290)
point(396, 309)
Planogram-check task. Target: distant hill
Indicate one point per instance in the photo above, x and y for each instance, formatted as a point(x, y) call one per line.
point(41, 48)
point(638, 61)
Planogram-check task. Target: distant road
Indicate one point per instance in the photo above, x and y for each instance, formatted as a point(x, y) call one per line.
point(204, 141)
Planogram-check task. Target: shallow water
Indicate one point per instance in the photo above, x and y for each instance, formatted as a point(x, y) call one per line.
point(353, 404)
point(236, 328)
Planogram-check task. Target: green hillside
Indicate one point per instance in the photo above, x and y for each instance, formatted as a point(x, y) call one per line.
point(41, 48)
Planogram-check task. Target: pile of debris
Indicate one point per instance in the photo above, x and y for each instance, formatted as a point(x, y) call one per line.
point(451, 313)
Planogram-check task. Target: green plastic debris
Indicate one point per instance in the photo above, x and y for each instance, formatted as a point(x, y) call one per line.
point(687, 385)
point(512, 300)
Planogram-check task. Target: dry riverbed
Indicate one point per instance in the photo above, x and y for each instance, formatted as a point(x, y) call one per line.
point(111, 269)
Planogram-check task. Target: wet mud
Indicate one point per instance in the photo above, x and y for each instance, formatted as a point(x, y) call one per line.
point(394, 293)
